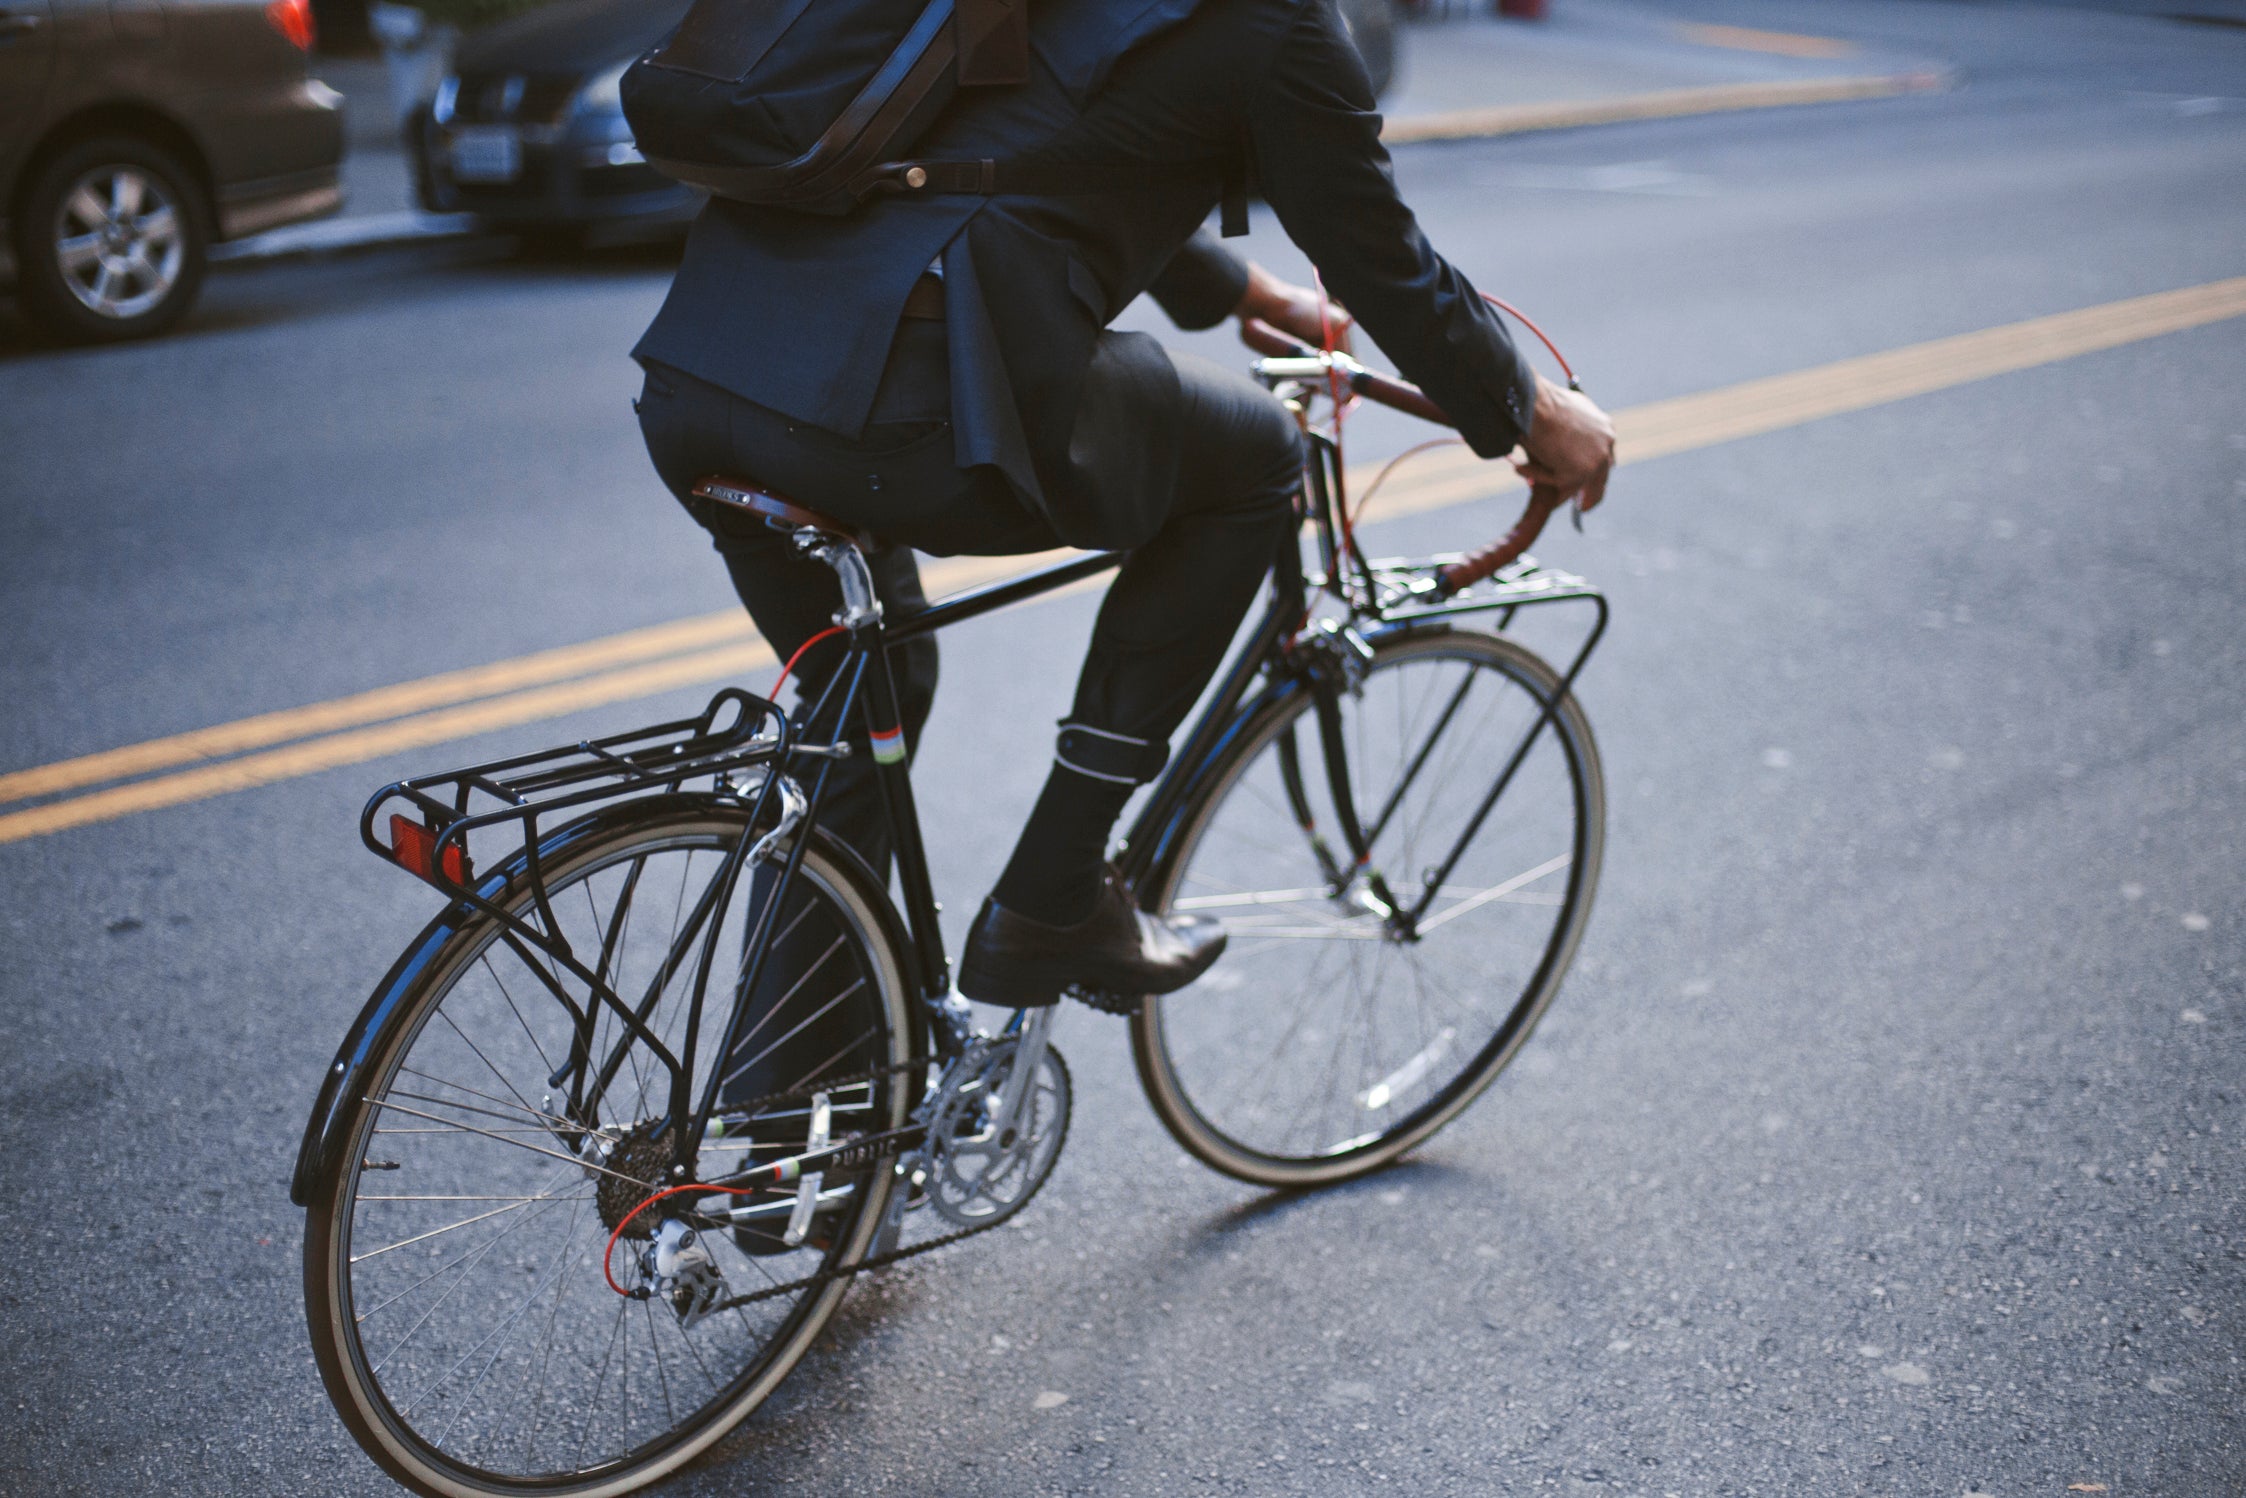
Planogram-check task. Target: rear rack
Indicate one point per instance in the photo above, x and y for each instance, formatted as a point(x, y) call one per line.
point(433, 817)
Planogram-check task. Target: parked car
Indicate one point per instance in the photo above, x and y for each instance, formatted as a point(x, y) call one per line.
point(134, 134)
point(527, 134)
point(526, 131)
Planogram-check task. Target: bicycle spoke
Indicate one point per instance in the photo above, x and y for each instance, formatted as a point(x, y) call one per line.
point(468, 1262)
point(454, 1227)
point(505, 1325)
point(1497, 892)
point(512, 1008)
point(476, 1300)
point(517, 1143)
point(380, 1306)
point(805, 1023)
point(1331, 1026)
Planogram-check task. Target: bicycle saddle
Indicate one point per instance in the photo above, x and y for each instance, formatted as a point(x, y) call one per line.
point(774, 510)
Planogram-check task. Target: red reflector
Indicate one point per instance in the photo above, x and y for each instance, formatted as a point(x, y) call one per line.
point(415, 847)
point(293, 19)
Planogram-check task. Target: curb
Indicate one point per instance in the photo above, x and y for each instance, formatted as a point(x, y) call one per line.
point(1725, 98)
point(407, 226)
point(369, 231)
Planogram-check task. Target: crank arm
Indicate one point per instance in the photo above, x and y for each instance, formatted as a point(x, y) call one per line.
point(1029, 1056)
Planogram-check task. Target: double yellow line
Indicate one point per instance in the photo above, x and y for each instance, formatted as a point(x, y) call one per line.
point(715, 647)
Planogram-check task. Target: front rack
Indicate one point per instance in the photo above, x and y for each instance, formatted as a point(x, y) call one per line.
point(1405, 587)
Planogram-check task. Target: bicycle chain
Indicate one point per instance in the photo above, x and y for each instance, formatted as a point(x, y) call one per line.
point(750, 1109)
point(845, 1271)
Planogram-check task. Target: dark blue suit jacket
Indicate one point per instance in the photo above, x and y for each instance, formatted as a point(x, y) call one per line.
point(797, 312)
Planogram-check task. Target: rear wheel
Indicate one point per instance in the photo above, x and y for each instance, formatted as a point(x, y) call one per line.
point(1362, 1006)
point(112, 243)
point(455, 1255)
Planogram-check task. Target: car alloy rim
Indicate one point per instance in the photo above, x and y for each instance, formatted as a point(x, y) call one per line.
point(118, 241)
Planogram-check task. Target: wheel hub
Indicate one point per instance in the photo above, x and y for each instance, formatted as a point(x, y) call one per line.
point(118, 242)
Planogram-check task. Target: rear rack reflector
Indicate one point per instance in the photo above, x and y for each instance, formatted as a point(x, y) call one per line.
point(415, 848)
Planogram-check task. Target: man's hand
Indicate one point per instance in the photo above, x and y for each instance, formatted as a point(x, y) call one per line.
point(1570, 445)
point(1292, 309)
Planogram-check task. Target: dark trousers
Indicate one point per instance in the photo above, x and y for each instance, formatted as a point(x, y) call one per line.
point(1161, 634)
point(1167, 618)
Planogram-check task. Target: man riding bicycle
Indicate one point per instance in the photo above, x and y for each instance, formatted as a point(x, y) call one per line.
point(937, 371)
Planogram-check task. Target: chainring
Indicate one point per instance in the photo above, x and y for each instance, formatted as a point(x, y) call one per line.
point(977, 1177)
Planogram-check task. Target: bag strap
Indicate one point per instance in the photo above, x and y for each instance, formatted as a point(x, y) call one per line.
point(989, 177)
point(848, 146)
point(984, 42)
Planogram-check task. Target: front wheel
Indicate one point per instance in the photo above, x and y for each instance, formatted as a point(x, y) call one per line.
point(458, 1251)
point(1363, 1004)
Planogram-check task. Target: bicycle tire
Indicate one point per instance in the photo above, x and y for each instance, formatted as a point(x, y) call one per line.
point(1196, 1049)
point(339, 1291)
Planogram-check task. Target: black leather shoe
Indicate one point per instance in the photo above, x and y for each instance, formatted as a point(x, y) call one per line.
point(1116, 950)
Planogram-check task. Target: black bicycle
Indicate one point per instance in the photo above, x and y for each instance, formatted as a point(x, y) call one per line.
point(552, 1246)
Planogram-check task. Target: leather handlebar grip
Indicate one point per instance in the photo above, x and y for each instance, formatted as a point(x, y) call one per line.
point(1402, 396)
point(1399, 395)
point(1270, 342)
point(1481, 562)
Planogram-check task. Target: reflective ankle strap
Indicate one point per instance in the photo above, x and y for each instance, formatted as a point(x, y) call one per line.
point(1115, 757)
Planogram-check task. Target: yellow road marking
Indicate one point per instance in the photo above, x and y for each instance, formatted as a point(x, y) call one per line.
point(1685, 423)
point(1783, 43)
point(367, 707)
point(744, 652)
point(1722, 98)
point(716, 647)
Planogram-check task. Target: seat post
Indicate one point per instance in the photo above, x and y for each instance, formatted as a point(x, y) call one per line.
point(861, 606)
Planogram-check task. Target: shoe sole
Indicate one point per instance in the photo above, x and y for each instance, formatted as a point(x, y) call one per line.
point(1034, 984)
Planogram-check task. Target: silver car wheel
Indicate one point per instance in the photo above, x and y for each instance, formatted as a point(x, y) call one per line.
point(119, 242)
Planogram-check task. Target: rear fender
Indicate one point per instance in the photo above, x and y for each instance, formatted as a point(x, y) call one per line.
point(386, 1010)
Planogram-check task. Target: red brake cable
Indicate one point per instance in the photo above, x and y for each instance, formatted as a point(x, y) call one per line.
point(1523, 319)
point(789, 669)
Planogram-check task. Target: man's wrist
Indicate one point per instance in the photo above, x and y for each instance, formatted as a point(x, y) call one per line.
point(1264, 296)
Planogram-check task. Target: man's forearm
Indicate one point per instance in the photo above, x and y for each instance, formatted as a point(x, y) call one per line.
point(1202, 285)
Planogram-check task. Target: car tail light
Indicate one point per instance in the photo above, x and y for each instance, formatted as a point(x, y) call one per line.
point(293, 19)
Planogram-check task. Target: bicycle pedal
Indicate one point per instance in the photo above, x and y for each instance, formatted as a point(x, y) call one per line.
point(1106, 1003)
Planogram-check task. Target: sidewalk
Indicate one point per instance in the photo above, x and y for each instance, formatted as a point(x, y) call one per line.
point(1461, 75)
point(1590, 62)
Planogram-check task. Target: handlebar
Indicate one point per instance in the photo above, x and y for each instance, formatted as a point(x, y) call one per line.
point(1385, 390)
point(1281, 350)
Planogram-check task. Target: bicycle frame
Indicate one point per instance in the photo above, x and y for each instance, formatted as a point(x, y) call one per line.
point(1387, 597)
point(1284, 649)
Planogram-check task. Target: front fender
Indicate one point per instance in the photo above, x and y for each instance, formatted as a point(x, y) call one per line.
point(1161, 843)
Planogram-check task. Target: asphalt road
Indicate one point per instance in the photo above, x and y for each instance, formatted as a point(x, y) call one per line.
point(1886, 1140)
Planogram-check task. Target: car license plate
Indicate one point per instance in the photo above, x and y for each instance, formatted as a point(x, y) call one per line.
point(487, 153)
